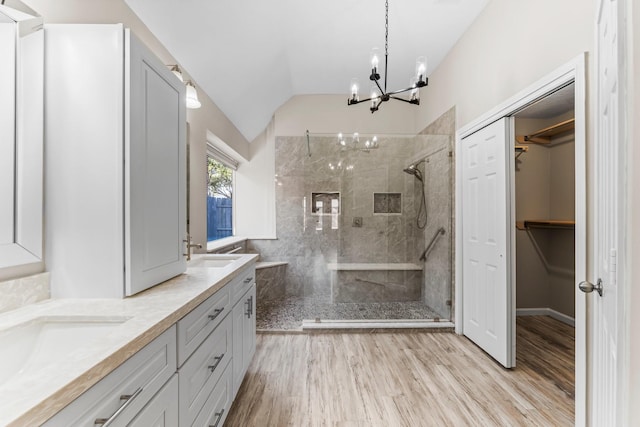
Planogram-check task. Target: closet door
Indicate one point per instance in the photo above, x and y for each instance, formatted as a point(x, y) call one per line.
point(486, 214)
point(155, 170)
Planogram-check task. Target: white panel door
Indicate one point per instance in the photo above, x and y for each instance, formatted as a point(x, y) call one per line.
point(487, 305)
point(155, 170)
point(603, 315)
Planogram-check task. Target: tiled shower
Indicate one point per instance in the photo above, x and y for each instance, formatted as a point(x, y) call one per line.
point(347, 226)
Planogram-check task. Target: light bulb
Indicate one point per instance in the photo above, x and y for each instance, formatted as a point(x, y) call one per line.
point(375, 60)
point(421, 69)
point(192, 96)
point(375, 95)
point(415, 92)
point(353, 88)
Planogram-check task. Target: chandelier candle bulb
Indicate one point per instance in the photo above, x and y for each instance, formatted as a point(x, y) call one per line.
point(375, 61)
point(421, 71)
point(415, 93)
point(354, 87)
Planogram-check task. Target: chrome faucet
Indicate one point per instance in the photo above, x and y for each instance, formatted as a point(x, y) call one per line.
point(190, 245)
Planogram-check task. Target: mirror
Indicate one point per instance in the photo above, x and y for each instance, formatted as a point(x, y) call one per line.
point(21, 140)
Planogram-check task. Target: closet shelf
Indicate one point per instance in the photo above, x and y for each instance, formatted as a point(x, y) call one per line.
point(543, 136)
point(546, 223)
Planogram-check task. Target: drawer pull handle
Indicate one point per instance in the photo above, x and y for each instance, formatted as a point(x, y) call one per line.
point(128, 398)
point(248, 280)
point(219, 417)
point(218, 359)
point(248, 312)
point(216, 313)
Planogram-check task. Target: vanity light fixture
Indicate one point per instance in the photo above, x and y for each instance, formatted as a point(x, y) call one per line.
point(379, 93)
point(176, 70)
point(192, 95)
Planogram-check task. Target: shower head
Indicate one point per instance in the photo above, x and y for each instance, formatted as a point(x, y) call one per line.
point(413, 170)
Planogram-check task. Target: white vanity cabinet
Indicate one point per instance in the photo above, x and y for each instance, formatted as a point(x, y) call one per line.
point(125, 393)
point(215, 344)
point(188, 376)
point(115, 175)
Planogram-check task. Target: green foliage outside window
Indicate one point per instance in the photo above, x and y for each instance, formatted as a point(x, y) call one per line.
point(220, 179)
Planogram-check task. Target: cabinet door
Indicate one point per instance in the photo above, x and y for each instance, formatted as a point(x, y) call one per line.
point(244, 336)
point(237, 361)
point(162, 410)
point(249, 329)
point(155, 169)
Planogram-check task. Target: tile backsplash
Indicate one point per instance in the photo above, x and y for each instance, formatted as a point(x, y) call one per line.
point(23, 291)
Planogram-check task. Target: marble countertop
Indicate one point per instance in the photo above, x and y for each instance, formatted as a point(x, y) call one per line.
point(32, 399)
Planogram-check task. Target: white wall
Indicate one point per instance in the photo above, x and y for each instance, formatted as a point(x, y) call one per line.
point(511, 45)
point(331, 114)
point(255, 197)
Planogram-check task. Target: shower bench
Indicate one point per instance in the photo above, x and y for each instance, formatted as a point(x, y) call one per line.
point(375, 282)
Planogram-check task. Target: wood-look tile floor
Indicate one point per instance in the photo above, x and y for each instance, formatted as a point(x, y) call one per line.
point(408, 379)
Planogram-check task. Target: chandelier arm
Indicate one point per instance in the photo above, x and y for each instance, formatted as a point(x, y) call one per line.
point(395, 92)
point(382, 92)
point(351, 102)
point(416, 101)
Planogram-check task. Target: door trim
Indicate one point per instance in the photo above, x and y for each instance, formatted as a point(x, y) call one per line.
point(573, 71)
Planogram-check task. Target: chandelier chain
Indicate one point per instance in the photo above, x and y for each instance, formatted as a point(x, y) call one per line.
point(386, 28)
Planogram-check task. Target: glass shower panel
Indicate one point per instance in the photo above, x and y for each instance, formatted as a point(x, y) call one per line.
point(367, 221)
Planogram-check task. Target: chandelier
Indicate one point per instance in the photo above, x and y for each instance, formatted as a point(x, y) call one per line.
point(379, 93)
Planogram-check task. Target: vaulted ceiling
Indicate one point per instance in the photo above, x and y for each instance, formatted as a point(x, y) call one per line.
point(251, 56)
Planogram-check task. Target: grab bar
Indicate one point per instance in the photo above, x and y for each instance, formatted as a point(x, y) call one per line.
point(426, 252)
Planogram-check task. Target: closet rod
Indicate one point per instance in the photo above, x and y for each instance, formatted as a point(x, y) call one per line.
point(543, 136)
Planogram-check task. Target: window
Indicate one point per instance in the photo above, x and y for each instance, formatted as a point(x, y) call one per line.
point(220, 168)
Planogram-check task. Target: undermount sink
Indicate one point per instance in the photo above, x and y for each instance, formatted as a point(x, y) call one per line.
point(214, 260)
point(43, 341)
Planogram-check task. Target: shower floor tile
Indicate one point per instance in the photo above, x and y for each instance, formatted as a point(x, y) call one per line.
point(288, 313)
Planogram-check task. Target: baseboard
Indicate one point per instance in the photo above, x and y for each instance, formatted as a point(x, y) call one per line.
point(546, 312)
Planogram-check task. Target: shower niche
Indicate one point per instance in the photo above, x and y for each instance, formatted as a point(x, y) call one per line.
point(387, 203)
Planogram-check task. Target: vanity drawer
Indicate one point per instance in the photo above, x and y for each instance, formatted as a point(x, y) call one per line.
point(196, 326)
point(216, 409)
point(241, 284)
point(139, 379)
point(162, 411)
point(199, 375)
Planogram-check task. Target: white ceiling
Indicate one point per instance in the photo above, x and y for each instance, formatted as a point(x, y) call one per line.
point(251, 56)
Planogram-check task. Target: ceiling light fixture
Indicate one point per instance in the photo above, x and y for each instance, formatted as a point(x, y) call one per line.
point(379, 93)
